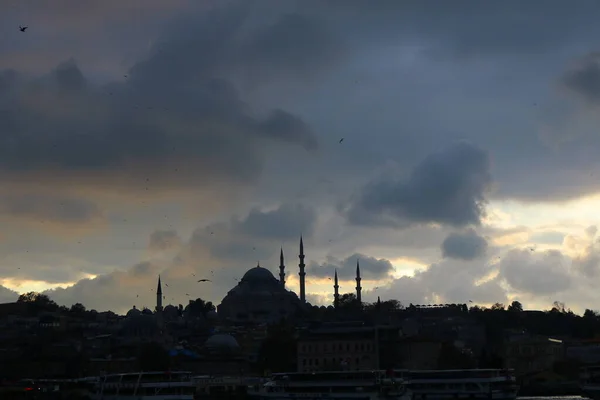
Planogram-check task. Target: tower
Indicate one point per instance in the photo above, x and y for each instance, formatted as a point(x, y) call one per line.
point(358, 288)
point(159, 296)
point(281, 269)
point(336, 292)
point(302, 274)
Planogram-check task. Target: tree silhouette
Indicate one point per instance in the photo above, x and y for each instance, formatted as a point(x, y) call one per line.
point(78, 309)
point(348, 301)
point(515, 306)
point(39, 301)
point(199, 307)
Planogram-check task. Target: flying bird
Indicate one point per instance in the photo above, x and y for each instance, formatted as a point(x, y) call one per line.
point(341, 140)
point(204, 280)
point(23, 28)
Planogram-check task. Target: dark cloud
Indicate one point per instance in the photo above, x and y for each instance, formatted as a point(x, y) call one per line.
point(583, 79)
point(370, 267)
point(543, 274)
point(466, 245)
point(52, 208)
point(176, 121)
point(288, 221)
point(164, 240)
point(229, 91)
point(447, 187)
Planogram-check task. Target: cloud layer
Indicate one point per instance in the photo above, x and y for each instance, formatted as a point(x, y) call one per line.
point(206, 136)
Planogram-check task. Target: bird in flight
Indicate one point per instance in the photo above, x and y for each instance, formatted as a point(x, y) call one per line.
point(23, 28)
point(341, 140)
point(204, 280)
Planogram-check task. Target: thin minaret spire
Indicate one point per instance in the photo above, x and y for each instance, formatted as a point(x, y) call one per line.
point(159, 296)
point(281, 268)
point(302, 274)
point(336, 292)
point(358, 287)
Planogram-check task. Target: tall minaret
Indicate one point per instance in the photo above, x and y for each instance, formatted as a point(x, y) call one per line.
point(358, 288)
point(302, 274)
point(336, 292)
point(159, 297)
point(281, 269)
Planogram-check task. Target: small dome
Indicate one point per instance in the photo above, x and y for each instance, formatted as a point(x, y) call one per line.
point(133, 312)
point(222, 341)
point(258, 274)
point(147, 311)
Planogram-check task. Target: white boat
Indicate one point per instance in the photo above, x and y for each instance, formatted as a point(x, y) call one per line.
point(175, 385)
point(489, 384)
point(338, 385)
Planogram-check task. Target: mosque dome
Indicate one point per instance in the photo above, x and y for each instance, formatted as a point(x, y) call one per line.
point(258, 297)
point(258, 274)
point(133, 312)
point(147, 311)
point(221, 341)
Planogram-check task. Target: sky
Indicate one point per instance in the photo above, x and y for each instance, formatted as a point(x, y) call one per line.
point(196, 139)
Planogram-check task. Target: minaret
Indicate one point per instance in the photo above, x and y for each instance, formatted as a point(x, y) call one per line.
point(302, 274)
point(281, 269)
point(358, 288)
point(336, 292)
point(159, 297)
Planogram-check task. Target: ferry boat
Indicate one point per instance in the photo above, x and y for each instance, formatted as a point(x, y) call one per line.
point(338, 385)
point(175, 385)
point(490, 384)
point(590, 382)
